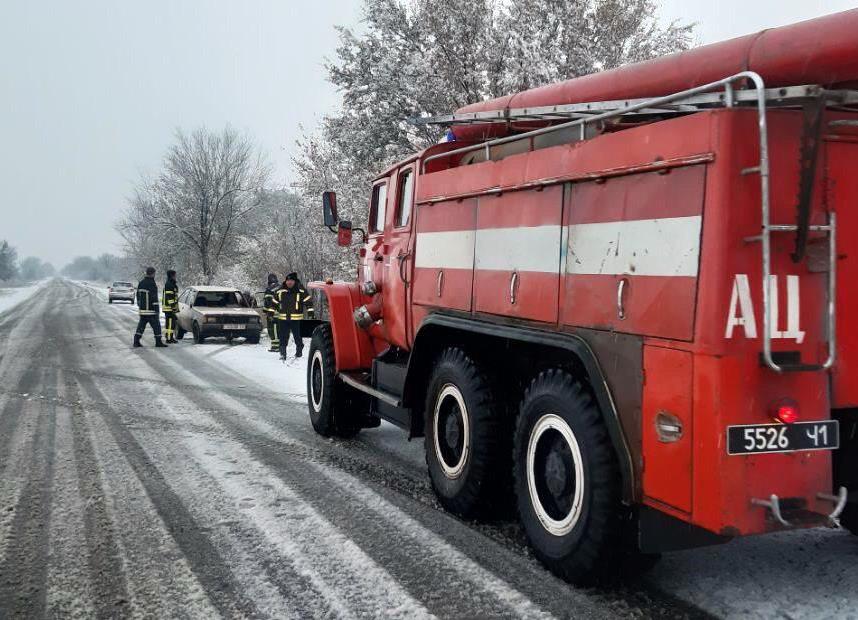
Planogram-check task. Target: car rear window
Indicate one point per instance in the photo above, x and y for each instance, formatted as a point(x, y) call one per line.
point(219, 299)
point(122, 285)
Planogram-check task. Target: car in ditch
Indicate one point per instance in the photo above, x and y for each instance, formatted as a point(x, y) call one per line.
point(217, 311)
point(121, 291)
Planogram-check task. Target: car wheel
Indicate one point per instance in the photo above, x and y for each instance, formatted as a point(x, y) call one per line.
point(335, 408)
point(198, 335)
point(180, 333)
point(567, 480)
point(252, 339)
point(462, 429)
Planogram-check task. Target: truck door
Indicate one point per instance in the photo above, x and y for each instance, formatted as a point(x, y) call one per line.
point(396, 251)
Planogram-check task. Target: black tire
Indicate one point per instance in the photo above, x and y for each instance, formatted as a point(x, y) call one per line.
point(464, 463)
point(252, 339)
point(336, 409)
point(198, 335)
point(180, 333)
point(568, 492)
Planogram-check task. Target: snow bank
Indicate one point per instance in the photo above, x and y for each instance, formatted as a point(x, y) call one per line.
point(258, 365)
point(11, 297)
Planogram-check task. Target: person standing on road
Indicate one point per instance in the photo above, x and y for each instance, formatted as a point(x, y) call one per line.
point(292, 301)
point(147, 302)
point(269, 304)
point(170, 306)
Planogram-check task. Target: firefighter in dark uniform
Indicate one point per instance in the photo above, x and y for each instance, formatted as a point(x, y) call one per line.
point(269, 304)
point(147, 303)
point(292, 300)
point(170, 306)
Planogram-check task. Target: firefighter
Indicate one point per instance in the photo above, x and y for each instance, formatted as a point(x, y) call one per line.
point(170, 306)
point(147, 303)
point(269, 304)
point(292, 300)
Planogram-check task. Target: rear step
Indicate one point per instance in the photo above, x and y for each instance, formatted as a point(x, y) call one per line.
point(360, 381)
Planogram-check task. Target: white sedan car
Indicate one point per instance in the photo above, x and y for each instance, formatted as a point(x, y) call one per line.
point(217, 311)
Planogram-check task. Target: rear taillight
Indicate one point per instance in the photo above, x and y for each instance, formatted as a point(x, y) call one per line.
point(786, 411)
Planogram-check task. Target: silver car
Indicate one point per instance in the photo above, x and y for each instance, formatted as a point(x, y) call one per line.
point(120, 291)
point(217, 311)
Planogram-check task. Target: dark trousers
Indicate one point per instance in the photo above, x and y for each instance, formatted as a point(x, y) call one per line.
point(273, 332)
point(149, 319)
point(285, 327)
point(170, 325)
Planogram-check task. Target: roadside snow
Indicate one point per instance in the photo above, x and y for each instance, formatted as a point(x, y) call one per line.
point(11, 297)
point(258, 365)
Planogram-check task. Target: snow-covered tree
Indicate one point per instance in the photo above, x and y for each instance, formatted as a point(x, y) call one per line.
point(34, 268)
point(8, 261)
point(432, 56)
point(194, 212)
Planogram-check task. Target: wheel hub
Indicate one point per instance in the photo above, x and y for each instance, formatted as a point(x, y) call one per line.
point(317, 381)
point(555, 474)
point(557, 477)
point(451, 431)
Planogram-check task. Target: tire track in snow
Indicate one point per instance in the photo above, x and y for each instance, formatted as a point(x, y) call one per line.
point(371, 532)
point(23, 573)
point(330, 561)
point(205, 560)
point(69, 592)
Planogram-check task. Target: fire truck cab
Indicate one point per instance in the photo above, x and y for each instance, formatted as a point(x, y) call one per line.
point(623, 302)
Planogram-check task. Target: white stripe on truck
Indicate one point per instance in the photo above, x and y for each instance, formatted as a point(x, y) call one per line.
point(659, 247)
point(656, 247)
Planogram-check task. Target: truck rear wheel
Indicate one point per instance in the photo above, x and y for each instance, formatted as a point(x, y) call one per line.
point(567, 480)
point(461, 426)
point(335, 408)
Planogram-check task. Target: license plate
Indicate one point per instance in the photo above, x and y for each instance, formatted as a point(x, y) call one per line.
point(759, 438)
point(232, 326)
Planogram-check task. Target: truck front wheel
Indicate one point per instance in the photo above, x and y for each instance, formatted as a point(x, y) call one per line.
point(335, 408)
point(567, 479)
point(461, 427)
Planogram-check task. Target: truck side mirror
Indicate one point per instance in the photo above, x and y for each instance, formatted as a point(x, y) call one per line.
point(344, 233)
point(329, 208)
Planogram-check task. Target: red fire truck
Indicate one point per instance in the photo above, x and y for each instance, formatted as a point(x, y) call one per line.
point(624, 302)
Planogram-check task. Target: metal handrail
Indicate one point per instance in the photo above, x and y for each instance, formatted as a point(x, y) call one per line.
point(725, 83)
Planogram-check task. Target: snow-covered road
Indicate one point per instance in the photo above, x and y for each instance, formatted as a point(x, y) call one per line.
point(188, 482)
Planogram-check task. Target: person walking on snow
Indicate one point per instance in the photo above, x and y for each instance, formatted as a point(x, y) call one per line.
point(170, 306)
point(269, 304)
point(292, 300)
point(147, 303)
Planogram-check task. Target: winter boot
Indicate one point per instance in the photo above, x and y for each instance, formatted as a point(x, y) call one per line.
point(158, 342)
point(137, 341)
point(298, 353)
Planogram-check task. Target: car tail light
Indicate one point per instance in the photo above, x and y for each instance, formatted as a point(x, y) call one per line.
point(786, 411)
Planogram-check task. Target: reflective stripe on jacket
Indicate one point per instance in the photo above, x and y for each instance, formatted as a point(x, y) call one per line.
point(147, 297)
point(170, 301)
point(291, 303)
point(269, 304)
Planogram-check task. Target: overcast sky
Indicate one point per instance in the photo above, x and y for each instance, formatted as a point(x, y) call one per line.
point(93, 91)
